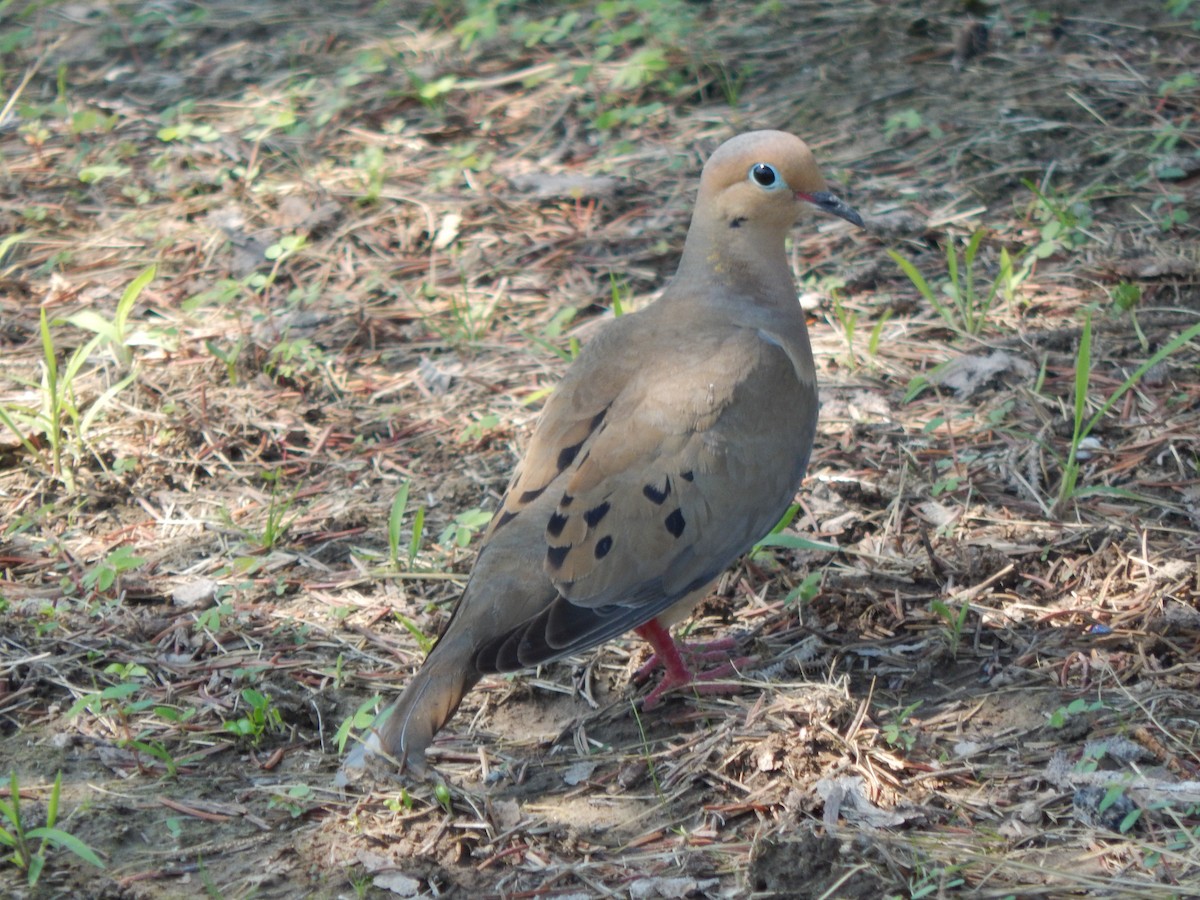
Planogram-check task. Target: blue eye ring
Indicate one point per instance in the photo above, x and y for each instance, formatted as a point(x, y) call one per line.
point(766, 176)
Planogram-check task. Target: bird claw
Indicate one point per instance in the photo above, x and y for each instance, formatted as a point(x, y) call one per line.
point(369, 759)
point(695, 653)
point(707, 682)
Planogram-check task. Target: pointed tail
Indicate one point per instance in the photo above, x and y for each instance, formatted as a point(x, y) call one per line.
point(400, 734)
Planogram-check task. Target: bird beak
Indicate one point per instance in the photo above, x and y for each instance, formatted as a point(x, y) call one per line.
point(833, 204)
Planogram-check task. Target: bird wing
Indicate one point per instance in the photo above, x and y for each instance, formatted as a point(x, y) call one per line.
point(644, 481)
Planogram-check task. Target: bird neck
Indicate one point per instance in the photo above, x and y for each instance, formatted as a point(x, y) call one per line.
point(739, 263)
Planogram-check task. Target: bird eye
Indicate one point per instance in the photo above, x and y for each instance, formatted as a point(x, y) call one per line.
point(765, 175)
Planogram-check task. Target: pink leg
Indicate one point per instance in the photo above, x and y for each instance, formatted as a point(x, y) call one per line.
point(669, 653)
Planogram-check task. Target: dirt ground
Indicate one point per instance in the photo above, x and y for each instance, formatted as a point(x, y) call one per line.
point(377, 230)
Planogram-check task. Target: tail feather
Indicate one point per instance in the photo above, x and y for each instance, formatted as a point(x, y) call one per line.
point(402, 732)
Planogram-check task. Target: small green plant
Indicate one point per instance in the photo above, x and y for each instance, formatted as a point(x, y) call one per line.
point(228, 357)
point(848, 320)
point(1068, 488)
point(154, 749)
point(58, 419)
point(806, 591)
point(1111, 796)
point(909, 121)
point(1171, 211)
point(395, 519)
point(1064, 223)
point(423, 641)
point(895, 732)
point(370, 164)
point(1180, 84)
point(636, 53)
point(1183, 841)
point(115, 331)
point(479, 426)
point(296, 799)
point(210, 619)
point(647, 753)
point(276, 523)
point(260, 718)
point(618, 294)
point(1126, 298)
point(104, 574)
point(776, 537)
point(1178, 9)
point(360, 721)
point(432, 94)
point(1077, 707)
point(465, 525)
point(955, 621)
point(189, 131)
point(968, 307)
point(877, 333)
point(949, 478)
point(939, 881)
point(11, 241)
point(403, 802)
point(464, 323)
point(1166, 139)
point(291, 359)
point(19, 839)
point(117, 699)
point(442, 794)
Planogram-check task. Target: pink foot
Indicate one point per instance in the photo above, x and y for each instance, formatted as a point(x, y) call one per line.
point(709, 651)
point(669, 653)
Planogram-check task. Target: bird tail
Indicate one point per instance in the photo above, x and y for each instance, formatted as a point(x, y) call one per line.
point(401, 733)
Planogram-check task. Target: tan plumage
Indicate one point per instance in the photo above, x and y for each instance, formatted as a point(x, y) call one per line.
point(675, 440)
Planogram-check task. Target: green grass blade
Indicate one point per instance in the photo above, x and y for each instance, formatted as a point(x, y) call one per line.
point(11, 425)
point(395, 517)
point(52, 805)
point(1162, 353)
point(101, 402)
point(129, 298)
point(418, 529)
point(1083, 374)
point(11, 241)
point(68, 842)
point(914, 276)
point(48, 356)
point(795, 542)
point(952, 269)
point(423, 641)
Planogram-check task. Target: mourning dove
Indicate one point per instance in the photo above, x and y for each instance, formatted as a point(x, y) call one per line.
point(675, 441)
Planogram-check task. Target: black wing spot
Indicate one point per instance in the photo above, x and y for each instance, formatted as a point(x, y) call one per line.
point(504, 519)
point(603, 546)
point(675, 523)
point(566, 455)
point(595, 514)
point(689, 475)
point(658, 496)
point(556, 525)
point(530, 496)
point(555, 556)
point(566, 501)
point(737, 221)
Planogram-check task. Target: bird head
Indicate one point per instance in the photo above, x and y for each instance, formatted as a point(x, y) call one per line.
point(765, 178)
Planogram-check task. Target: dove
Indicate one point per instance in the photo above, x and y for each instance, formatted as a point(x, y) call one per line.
point(675, 441)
